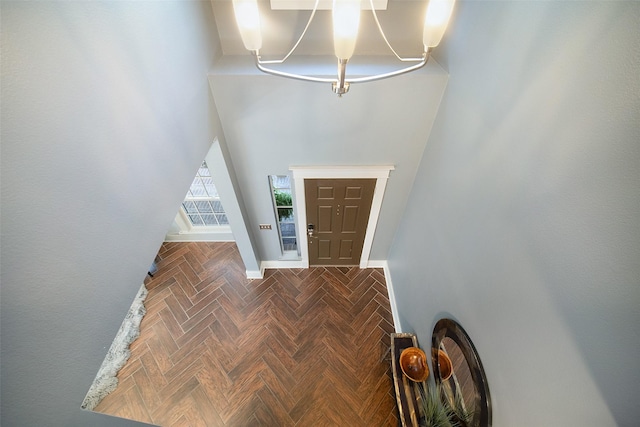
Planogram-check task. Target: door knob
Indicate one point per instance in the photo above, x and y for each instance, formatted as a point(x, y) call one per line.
point(310, 230)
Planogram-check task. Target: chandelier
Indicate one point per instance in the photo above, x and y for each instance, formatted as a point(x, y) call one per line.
point(346, 20)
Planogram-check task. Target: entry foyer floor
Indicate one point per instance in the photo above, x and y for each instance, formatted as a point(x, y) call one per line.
point(304, 347)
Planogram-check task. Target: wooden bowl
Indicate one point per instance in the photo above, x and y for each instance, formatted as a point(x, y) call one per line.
point(413, 363)
point(444, 365)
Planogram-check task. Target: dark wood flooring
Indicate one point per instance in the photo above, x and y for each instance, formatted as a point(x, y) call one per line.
point(303, 347)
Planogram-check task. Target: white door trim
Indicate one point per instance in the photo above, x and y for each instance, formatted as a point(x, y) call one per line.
point(300, 173)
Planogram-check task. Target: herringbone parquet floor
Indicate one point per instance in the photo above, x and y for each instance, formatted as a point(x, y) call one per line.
point(306, 347)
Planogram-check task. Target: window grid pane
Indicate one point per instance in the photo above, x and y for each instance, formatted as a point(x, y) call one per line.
point(209, 219)
point(195, 219)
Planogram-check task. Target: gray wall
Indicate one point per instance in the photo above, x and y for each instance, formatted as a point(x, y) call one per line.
point(273, 123)
point(106, 116)
point(524, 220)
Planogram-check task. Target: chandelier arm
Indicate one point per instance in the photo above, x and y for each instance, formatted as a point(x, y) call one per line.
point(280, 61)
point(290, 75)
point(423, 61)
point(375, 17)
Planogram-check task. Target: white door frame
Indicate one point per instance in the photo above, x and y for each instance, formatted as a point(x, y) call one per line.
point(300, 173)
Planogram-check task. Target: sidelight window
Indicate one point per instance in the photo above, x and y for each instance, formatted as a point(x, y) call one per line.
point(283, 204)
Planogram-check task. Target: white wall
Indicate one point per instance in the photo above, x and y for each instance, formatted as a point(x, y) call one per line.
point(524, 222)
point(106, 116)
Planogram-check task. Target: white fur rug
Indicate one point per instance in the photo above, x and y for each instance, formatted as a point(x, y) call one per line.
point(118, 354)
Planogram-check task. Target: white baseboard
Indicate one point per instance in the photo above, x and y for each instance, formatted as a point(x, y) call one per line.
point(392, 297)
point(200, 237)
point(255, 274)
point(283, 264)
point(294, 263)
point(376, 264)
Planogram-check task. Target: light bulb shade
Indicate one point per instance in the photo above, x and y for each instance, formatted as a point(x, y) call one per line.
point(435, 21)
point(248, 20)
point(346, 20)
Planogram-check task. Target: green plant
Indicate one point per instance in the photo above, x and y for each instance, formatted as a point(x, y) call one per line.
point(434, 412)
point(283, 199)
point(460, 409)
point(437, 410)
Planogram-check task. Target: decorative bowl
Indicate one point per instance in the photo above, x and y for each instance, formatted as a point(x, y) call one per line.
point(413, 363)
point(444, 365)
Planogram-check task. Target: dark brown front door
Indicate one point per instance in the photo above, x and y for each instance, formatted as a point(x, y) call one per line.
point(337, 218)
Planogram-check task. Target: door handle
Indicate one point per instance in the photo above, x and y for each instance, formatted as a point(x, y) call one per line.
point(310, 230)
